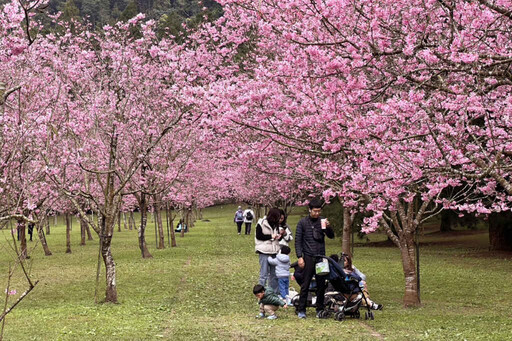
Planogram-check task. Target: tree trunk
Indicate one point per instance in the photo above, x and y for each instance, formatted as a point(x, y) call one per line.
point(142, 229)
point(158, 218)
point(47, 223)
point(500, 231)
point(88, 231)
point(55, 219)
point(83, 225)
point(119, 221)
point(112, 206)
point(42, 238)
point(347, 231)
point(185, 221)
point(125, 225)
point(405, 222)
point(407, 252)
point(191, 218)
point(68, 233)
point(131, 221)
point(110, 270)
point(22, 239)
point(173, 235)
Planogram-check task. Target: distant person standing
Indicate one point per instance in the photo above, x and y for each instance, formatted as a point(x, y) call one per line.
point(310, 242)
point(248, 219)
point(31, 230)
point(239, 219)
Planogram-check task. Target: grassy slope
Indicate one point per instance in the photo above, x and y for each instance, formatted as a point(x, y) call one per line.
point(202, 290)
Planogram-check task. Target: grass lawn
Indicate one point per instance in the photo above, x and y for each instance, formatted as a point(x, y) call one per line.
point(203, 290)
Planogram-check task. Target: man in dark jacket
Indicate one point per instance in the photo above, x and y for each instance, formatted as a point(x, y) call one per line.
point(309, 242)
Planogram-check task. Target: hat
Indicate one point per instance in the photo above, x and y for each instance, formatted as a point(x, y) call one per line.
point(239, 207)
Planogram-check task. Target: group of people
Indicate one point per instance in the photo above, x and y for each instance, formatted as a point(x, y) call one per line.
point(30, 229)
point(271, 244)
point(242, 217)
point(181, 226)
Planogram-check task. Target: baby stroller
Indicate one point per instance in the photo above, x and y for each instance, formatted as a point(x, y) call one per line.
point(347, 297)
point(311, 300)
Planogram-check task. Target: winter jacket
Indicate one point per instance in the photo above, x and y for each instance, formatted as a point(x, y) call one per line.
point(239, 216)
point(287, 237)
point(263, 238)
point(245, 216)
point(282, 264)
point(310, 238)
point(271, 298)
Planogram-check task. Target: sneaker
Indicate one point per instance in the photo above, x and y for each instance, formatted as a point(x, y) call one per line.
point(260, 316)
point(376, 306)
point(301, 315)
point(238, 233)
point(272, 317)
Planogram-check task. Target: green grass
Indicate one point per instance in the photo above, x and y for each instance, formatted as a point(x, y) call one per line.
point(202, 290)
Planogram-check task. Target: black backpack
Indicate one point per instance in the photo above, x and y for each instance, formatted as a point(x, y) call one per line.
point(249, 215)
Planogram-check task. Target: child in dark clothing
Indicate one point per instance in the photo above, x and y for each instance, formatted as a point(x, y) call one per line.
point(268, 300)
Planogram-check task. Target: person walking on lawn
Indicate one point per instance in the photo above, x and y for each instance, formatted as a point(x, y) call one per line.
point(248, 218)
point(239, 219)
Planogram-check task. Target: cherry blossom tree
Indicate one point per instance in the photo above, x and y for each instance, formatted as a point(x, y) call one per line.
point(375, 95)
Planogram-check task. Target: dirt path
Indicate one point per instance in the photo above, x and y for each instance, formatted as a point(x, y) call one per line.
point(372, 330)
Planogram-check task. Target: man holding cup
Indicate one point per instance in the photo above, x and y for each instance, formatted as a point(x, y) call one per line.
point(310, 242)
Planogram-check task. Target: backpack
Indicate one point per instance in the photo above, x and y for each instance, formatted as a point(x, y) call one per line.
point(249, 215)
point(239, 215)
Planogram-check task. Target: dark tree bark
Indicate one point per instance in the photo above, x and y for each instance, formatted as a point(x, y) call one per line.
point(141, 198)
point(171, 223)
point(88, 230)
point(68, 233)
point(47, 224)
point(83, 227)
point(191, 218)
point(42, 237)
point(23, 239)
point(131, 221)
point(158, 222)
point(119, 221)
point(348, 219)
point(124, 221)
point(405, 222)
point(500, 231)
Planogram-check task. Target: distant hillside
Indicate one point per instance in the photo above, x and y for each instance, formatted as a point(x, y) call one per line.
point(169, 13)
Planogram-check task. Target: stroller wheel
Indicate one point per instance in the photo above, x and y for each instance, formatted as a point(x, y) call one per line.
point(366, 315)
point(357, 315)
point(371, 316)
point(339, 316)
point(323, 314)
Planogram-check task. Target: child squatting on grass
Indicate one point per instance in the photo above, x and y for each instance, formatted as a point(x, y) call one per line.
point(268, 300)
